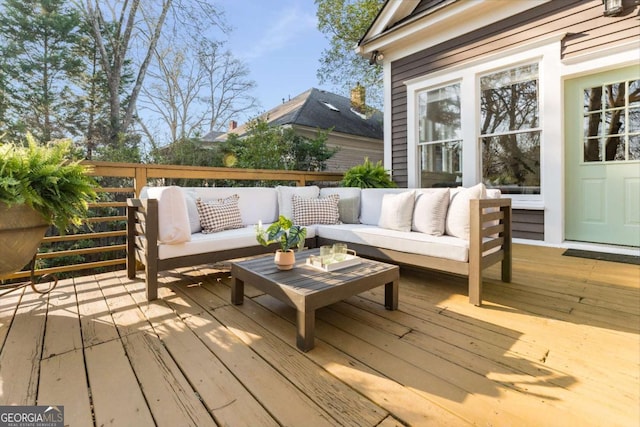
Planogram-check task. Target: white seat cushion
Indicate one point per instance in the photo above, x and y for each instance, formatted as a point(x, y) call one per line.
point(219, 241)
point(448, 247)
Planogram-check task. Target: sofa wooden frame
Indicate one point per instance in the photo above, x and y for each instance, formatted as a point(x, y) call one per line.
point(489, 243)
point(142, 246)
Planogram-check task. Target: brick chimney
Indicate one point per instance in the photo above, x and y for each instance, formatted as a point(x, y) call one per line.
point(232, 125)
point(358, 98)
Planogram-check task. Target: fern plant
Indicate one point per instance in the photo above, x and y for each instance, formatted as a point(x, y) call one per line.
point(48, 179)
point(367, 175)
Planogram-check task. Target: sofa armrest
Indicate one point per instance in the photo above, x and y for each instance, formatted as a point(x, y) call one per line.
point(489, 241)
point(142, 241)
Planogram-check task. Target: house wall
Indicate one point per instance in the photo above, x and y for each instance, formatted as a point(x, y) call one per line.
point(352, 150)
point(586, 29)
point(527, 224)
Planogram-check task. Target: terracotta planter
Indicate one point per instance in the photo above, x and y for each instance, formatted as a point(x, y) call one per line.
point(21, 231)
point(285, 260)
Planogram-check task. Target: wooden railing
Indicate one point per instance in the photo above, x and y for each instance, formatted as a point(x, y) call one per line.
point(106, 232)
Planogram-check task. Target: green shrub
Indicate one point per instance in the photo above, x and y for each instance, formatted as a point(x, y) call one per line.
point(367, 175)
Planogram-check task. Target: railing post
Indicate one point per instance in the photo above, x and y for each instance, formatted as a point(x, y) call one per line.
point(140, 179)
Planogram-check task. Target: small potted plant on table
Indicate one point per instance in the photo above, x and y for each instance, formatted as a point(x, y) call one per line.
point(287, 236)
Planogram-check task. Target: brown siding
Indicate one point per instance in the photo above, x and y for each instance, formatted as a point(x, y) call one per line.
point(588, 30)
point(526, 224)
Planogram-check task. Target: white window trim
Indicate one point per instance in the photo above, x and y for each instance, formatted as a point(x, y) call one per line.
point(547, 55)
point(387, 134)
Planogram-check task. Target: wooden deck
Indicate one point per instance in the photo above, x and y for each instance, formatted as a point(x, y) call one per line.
point(560, 346)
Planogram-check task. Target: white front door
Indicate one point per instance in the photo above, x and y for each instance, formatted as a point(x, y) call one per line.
point(602, 137)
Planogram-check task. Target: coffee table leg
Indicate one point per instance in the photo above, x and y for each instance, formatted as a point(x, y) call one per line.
point(237, 291)
point(306, 321)
point(391, 295)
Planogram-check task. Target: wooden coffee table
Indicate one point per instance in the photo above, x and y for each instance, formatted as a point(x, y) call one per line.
point(307, 289)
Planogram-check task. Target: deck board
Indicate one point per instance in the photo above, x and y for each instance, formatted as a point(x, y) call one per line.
point(560, 345)
point(170, 397)
point(116, 395)
point(63, 382)
point(22, 350)
point(63, 321)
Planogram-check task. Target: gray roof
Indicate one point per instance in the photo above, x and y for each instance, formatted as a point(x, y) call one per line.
point(317, 108)
point(212, 136)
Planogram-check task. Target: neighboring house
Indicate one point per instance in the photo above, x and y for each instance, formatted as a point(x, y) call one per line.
point(538, 98)
point(357, 135)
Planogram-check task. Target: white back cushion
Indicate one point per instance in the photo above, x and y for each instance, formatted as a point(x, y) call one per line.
point(396, 211)
point(371, 203)
point(430, 211)
point(192, 210)
point(255, 203)
point(458, 214)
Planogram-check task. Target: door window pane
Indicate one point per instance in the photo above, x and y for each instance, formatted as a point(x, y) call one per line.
point(634, 147)
point(634, 93)
point(634, 120)
point(592, 99)
point(592, 123)
point(592, 151)
point(612, 112)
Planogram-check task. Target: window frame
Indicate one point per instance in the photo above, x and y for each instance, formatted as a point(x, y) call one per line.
point(539, 129)
point(546, 53)
point(441, 142)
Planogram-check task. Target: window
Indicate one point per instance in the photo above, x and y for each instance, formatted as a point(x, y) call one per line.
point(612, 122)
point(439, 137)
point(510, 130)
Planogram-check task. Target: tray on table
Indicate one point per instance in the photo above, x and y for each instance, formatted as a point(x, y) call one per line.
point(349, 261)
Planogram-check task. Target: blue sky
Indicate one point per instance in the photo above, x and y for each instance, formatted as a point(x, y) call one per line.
point(279, 42)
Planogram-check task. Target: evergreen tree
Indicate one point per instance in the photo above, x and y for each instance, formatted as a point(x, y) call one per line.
point(39, 71)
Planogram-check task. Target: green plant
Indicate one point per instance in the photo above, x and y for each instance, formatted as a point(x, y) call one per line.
point(282, 232)
point(367, 175)
point(46, 178)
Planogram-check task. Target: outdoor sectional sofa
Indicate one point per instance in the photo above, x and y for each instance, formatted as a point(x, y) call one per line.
point(461, 231)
